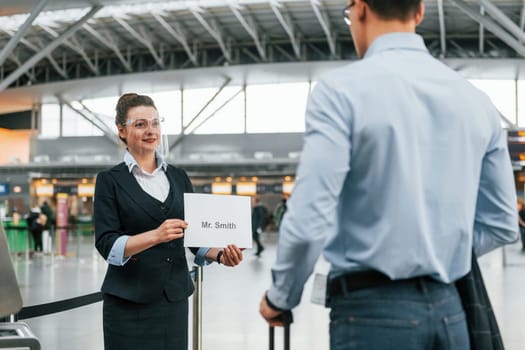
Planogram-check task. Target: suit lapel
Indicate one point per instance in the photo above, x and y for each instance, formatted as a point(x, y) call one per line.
point(127, 182)
point(176, 192)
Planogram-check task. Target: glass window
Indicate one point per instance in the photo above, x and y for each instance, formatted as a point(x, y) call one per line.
point(168, 105)
point(276, 107)
point(503, 95)
point(521, 103)
point(229, 119)
point(50, 121)
point(104, 108)
point(76, 125)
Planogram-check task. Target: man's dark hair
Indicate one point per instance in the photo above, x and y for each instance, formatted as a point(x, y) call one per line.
point(394, 9)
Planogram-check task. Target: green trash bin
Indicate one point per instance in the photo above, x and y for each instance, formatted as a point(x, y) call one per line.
point(17, 237)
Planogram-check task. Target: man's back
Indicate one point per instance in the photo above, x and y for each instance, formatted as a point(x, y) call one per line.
point(404, 170)
point(417, 134)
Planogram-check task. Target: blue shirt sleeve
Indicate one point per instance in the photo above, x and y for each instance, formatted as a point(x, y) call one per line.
point(116, 255)
point(311, 214)
point(496, 220)
point(200, 257)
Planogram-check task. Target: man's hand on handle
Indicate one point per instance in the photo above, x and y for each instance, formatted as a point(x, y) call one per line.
point(274, 317)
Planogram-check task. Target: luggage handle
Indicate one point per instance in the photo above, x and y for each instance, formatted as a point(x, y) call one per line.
point(287, 318)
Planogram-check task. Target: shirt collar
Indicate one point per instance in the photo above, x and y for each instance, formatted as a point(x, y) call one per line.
point(131, 162)
point(393, 41)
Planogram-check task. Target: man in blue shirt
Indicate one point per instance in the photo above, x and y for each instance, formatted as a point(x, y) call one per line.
point(404, 170)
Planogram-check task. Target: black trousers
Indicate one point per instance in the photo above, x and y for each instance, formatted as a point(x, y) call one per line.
point(37, 238)
point(256, 239)
point(159, 326)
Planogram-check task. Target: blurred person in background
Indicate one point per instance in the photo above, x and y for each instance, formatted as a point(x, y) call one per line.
point(48, 211)
point(258, 217)
point(15, 216)
point(521, 218)
point(36, 221)
point(279, 211)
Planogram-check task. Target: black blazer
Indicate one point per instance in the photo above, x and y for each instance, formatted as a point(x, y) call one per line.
point(121, 207)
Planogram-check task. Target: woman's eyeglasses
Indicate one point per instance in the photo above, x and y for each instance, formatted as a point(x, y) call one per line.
point(143, 123)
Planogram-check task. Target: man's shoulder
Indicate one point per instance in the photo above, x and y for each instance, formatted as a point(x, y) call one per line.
point(344, 71)
point(356, 72)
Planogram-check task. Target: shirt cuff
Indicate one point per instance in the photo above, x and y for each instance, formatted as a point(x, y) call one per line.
point(116, 255)
point(277, 300)
point(272, 305)
point(200, 257)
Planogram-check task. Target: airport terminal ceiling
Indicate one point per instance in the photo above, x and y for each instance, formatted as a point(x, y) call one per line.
point(97, 48)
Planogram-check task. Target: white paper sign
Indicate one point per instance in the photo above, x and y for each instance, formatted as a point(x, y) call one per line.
point(217, 220)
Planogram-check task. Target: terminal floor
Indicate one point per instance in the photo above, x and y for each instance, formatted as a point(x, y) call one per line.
point(230, 318)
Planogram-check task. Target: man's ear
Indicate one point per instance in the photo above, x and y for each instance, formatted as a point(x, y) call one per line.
point(420, 15)
point(361, 8)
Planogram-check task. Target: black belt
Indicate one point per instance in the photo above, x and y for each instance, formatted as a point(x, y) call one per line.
point(356, 280)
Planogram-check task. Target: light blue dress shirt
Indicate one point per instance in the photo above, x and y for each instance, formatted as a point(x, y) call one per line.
point(156, 185)
point(404, 169)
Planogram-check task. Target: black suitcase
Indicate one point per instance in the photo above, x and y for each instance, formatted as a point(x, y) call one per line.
point(287, 319)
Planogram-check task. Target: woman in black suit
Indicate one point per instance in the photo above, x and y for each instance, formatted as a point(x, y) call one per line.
point(139, 230)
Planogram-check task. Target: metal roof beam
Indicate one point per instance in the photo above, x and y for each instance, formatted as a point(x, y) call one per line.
point(325, 24)
point(481, 33)
point(253, 56)
point(75, 46)
point(16, 60)
point(503, 19)
point(491, 26)
point(249, 25)
point(287, 25)
point(142, 38)
point(442, 29)
point(213, 29)
point(109, 43)
point(179, 35)
point(461, 51)
point(35, 48)
point(54, 63)
point(10, 46)
point(522, 19)
point(43, 53)
point(284, 52)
